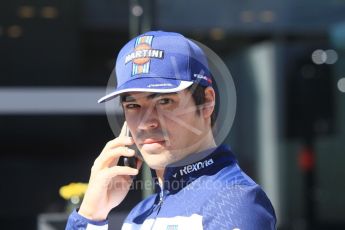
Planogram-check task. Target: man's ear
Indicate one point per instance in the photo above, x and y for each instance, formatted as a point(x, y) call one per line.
point(210, 100)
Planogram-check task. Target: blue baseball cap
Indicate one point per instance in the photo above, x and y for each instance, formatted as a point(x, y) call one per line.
point(160, 62)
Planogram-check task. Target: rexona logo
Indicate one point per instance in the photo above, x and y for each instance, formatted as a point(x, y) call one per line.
point(196, 166)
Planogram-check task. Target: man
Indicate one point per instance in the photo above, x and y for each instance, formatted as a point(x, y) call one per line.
point(165, 89)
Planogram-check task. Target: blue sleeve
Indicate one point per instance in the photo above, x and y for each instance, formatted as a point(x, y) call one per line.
point(78, 222)
point(239, 207)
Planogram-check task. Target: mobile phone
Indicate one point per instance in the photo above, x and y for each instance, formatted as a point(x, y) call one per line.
point(129, 161)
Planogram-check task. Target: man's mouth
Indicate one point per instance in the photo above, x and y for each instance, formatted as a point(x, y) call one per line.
point(152, 141)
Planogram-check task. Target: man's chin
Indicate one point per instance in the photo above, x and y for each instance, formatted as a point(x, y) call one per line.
point(156, 158)
point(156, 163)
point(153, 148)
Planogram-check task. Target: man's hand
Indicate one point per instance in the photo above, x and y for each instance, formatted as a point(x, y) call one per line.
point(109, 183)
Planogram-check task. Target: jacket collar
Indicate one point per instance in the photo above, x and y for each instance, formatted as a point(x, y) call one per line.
point(212, 161)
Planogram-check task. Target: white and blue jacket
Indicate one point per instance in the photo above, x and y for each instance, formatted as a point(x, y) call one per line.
point(213, 193)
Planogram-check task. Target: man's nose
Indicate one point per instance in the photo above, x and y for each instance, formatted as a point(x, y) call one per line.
point(149, 119)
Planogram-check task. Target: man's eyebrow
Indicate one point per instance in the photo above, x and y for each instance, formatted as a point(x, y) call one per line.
point(154, 95)
point(129, 98)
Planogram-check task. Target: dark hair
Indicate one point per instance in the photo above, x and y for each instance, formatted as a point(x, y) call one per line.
point(198, 95)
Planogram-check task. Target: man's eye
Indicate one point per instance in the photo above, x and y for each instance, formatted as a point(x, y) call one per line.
point(132, 106)
point(165, 101)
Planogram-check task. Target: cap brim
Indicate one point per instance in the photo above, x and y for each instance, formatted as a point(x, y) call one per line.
point(148, 85)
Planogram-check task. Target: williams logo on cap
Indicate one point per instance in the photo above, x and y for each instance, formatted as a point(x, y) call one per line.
point(142, 54)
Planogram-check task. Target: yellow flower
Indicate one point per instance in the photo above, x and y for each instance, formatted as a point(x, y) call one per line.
point(73, 189)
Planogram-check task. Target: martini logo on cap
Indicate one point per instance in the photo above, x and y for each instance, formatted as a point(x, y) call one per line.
point(142, 54)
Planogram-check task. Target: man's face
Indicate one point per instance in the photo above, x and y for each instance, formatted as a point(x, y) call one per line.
point(165, 127)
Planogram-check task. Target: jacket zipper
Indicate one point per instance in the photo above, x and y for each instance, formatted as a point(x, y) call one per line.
point(159, 205)
point(161, 196)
